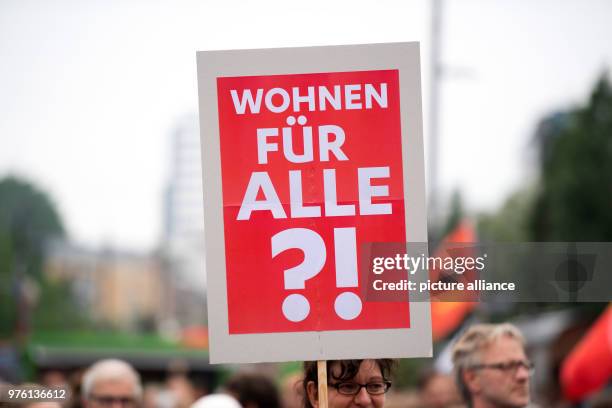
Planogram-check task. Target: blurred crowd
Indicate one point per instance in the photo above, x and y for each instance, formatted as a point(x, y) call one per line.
point(491, 369)
point(114, 383)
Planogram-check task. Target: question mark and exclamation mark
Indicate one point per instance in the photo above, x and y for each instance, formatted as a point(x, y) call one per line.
point(296, 307)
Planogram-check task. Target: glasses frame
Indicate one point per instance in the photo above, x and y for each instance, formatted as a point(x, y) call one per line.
point(339, 384)
point(507, 367)
point(108, 401)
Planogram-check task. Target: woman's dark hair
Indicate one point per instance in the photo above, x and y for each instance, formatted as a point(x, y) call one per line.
point(253, 389)
point(348, 370)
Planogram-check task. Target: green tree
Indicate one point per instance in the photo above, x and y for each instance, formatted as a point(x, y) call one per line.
point(511, 222)
point(28, 219)
point(575, 195)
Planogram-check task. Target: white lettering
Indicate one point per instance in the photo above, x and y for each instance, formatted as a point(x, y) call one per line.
point(381, 97)
point(325, 95)
point(260, 180)
point(325, 146)
point(352, 96)
point(332, 208)
point(279, 100)
point(284, 95)
point(367, 191)
point(309, 98)
point(298, 210)
point(263, 147)
point(288, 145)
point(247, 98)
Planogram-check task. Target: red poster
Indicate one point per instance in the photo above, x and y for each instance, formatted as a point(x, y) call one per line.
point(311, 168)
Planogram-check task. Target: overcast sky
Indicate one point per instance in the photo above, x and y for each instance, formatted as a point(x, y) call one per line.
point(90, 90)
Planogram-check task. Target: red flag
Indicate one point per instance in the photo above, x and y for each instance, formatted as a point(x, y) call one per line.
point(588, 368)
point(446, 316)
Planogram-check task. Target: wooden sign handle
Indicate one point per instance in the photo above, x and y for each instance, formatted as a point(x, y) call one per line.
point(322, 374)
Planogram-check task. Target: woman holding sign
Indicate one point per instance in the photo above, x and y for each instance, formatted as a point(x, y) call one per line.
point(351, 383)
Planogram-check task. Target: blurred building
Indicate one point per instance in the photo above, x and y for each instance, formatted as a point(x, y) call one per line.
point(121, 289)
point(163, 291)
point(183, 239)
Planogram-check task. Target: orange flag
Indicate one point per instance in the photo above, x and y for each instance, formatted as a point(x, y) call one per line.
point(447, 316)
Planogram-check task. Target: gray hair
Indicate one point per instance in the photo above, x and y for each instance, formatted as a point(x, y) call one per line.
point(110, 369)
point(466, 351)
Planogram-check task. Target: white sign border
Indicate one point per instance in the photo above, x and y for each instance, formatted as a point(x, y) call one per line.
point(325, 345)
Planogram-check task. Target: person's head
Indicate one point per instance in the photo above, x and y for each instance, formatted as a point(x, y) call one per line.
point(42, 404)
point(491, 368)
point(111, 384)
point(216, 401)
point(351, 383)
point(180, 389)
point(54, 378)
point(292, 392)
point(253, 390)
point(438, 390)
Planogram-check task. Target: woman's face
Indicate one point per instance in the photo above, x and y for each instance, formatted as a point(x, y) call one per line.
point(369, 372)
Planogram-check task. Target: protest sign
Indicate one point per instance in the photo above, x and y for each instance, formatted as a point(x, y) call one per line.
point(307, 154)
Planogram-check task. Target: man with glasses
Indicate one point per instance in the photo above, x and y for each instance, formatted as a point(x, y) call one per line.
point(491, 368)
point(111, 384)
point(351, 383)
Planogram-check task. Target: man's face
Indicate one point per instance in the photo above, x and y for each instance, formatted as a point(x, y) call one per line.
point(112, 394)
point(497, 383)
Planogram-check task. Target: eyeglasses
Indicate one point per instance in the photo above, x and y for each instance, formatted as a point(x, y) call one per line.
point(353, 388)
point(107, 400)
point(508, 367)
